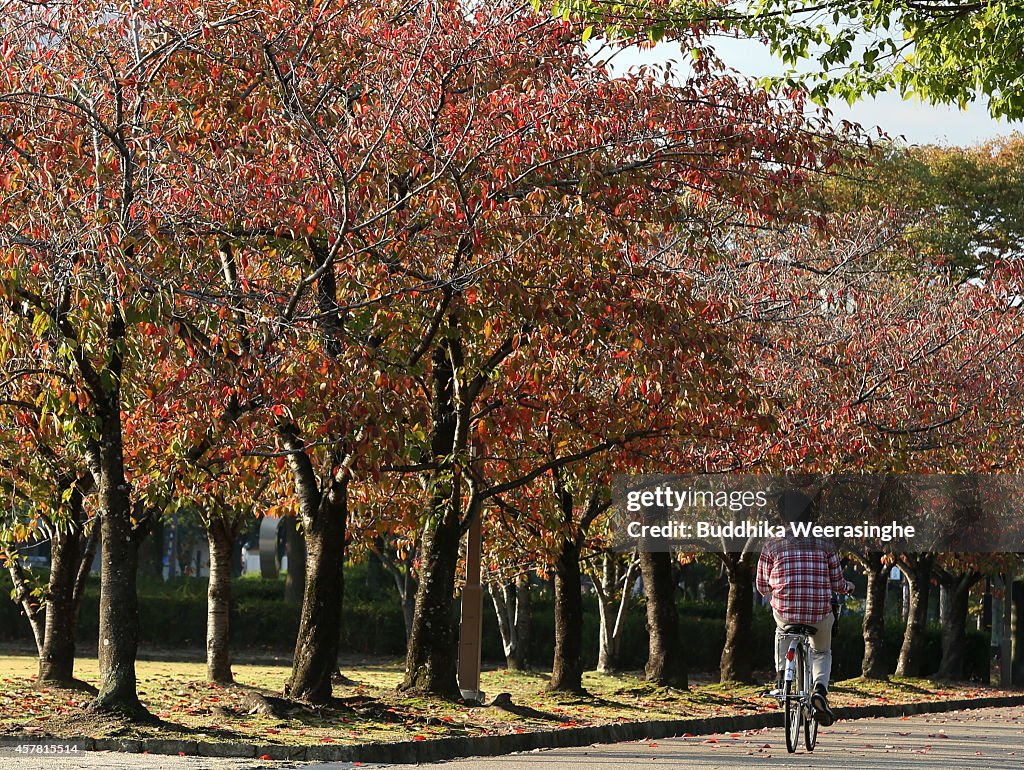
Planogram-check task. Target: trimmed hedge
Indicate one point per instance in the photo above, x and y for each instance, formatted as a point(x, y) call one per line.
point(173, 614)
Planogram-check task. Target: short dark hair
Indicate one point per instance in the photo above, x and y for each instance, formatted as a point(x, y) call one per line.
point(794, 505)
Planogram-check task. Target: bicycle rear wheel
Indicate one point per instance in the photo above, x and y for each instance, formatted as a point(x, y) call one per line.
point(794, 715)
point(810, 732)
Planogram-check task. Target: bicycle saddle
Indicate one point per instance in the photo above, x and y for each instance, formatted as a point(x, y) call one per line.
point(799, 628)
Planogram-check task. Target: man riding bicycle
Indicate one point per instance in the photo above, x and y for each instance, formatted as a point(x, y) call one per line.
point(801, 574)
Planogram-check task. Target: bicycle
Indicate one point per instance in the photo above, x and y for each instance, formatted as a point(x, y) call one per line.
point(797, 687)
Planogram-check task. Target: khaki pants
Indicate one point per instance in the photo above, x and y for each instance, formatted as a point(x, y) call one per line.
point(821, 647)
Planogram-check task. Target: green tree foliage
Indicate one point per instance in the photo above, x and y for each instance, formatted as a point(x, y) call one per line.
point(947, 52)
point(963, 204)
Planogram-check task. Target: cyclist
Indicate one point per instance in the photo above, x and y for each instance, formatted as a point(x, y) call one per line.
point(800, 574)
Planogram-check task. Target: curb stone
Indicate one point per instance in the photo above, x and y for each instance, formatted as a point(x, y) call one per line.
point(439, 749)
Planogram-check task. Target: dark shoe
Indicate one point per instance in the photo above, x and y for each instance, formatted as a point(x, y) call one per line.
point(819, 701)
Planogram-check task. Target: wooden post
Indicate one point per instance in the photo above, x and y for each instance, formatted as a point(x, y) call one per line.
point(471, 626)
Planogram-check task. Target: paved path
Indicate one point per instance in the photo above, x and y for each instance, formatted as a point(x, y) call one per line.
point(989, 739)
point(992, 739)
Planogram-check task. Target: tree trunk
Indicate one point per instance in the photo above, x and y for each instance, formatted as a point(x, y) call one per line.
point(221, 535)
point(523, 623)
point(405, 583)
point(503, 597)
point(119, 612)
point(612, 603)
point(985, 618)
point(918, 572)
point(57, 658)
point(71, 552)
point(316, 648)
point(236, 558)
point(295, 550)
point(1017, 632)
point(904, 597)
point(666, 664)
point(401, 571)
point(151, 552)
point(511, 602)
point(607, 649)
point(22, 597)
point(737, 654)
point(954, 624)
point(431, 662)
point(85, 565)
point(408, 597)
point(567, 672)
point(874, 664)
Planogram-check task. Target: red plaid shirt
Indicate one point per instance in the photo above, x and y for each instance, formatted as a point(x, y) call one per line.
point(801, 575)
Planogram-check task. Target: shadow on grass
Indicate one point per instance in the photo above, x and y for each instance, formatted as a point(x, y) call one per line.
point(528, 712)
point(867, 688)
point(590, 699)
point(82, 722)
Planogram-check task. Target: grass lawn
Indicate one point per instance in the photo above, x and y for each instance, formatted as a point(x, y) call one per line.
point(372, 710)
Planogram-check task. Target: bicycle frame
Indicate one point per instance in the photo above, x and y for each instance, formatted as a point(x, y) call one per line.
point(801, 642)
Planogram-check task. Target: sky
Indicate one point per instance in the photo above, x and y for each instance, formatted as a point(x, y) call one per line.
point(917, 123)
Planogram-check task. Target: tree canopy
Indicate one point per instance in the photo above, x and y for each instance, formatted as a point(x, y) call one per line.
point(946, 52)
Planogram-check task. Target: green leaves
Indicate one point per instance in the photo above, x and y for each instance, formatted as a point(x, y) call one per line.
point(947, 54)
point(40, 324)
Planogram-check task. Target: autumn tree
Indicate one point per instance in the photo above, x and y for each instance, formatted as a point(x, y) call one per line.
point(58, 515)
point(547, 183)
point(867, 359)
point(84, 176)
point(333, 267)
